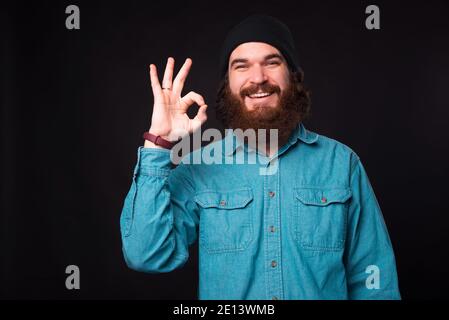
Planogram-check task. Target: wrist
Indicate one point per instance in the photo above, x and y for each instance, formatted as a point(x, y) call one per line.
point(156, 140)
point(149, 144)
point(163, 134)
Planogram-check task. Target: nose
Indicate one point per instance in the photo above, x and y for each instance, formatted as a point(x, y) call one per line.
point(257, 75)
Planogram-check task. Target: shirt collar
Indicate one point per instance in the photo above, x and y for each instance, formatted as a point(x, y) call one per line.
point(231, 143)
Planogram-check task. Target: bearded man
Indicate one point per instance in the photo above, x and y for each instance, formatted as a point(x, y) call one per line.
point(312, 229)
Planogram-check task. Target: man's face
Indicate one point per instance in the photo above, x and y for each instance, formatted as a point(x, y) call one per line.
point(256, 67)
point(258, 74)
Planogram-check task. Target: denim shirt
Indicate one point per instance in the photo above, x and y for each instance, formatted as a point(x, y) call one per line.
point(311, 229)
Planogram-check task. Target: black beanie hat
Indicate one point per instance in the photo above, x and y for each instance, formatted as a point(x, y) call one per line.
point(260, 28)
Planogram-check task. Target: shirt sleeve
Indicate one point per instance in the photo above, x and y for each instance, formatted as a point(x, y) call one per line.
point(159, 218)
point(369, 258)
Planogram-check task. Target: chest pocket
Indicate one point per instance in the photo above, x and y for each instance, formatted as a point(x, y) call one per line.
point(225, 219)
point(321, 218)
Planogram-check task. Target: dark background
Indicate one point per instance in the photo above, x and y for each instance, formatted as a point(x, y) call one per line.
point(76, 102)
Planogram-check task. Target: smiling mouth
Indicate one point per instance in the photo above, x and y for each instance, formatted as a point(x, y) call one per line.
point(259, 95)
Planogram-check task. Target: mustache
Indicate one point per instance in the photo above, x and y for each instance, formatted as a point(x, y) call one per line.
point(265, 87)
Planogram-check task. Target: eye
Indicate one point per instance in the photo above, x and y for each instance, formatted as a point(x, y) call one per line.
point(273, 63)
point(240, 67)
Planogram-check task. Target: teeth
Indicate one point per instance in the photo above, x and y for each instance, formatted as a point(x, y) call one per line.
point(259, 95)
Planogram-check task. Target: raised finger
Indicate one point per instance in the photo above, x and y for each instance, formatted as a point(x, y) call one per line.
point(168, 74)
point(155, 85)
point(179, 81)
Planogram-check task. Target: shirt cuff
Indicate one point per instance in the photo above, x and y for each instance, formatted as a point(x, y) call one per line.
point(153, 162)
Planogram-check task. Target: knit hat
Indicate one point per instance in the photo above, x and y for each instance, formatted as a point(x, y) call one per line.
point(260, 28)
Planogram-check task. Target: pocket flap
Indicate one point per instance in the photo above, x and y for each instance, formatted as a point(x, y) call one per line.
point(322, 196)
point(228, 199)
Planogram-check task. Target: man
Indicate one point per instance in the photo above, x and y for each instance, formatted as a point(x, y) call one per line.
point(311, 229)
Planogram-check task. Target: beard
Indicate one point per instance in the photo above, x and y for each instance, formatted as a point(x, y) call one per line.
point(284, 117)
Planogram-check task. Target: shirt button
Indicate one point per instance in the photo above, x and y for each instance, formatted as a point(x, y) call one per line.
point(271, 194)
point(272, 229)
point(274, 264)
point(222, 203)
point(323, 200)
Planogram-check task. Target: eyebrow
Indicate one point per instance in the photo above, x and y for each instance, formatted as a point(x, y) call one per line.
point(267, 57)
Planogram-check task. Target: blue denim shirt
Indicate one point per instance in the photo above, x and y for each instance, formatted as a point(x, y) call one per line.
point(312, 229)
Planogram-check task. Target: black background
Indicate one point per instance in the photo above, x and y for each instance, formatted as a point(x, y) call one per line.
point(76, 102)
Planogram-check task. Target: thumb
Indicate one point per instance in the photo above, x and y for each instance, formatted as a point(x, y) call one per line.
point(200, 117)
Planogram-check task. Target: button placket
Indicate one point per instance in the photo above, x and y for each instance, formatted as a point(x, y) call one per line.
point(272, 223)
